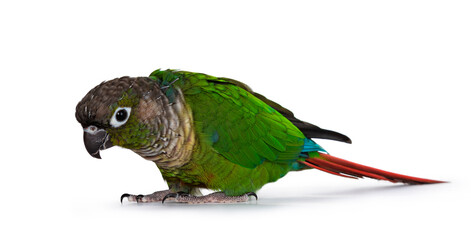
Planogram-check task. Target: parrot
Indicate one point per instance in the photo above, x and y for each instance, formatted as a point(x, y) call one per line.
point(206, 132)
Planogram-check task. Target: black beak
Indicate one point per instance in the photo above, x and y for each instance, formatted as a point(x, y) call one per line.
point(96, 139)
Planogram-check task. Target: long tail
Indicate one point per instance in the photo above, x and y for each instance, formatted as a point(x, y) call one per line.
point(344, 168)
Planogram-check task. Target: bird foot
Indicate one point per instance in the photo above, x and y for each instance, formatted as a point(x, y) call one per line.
point(218, 197)
point(153, 197)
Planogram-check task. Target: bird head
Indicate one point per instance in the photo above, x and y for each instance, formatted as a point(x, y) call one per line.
point(120, 112)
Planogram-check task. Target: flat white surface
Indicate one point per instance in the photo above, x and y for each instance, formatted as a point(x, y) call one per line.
point(392, 75)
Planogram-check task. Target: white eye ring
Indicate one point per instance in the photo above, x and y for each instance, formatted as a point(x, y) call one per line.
point(120, 116)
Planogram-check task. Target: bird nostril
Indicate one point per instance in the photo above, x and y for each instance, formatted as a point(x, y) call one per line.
point(91, 129)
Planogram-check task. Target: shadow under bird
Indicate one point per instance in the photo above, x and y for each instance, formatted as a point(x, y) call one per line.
point(209, 132)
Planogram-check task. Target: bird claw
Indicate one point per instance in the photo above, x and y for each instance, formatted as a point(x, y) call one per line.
point(153, 197)
point(175, 195)
point(126, 195)
point(252, 194)
point(138, 198)
point(170, 195)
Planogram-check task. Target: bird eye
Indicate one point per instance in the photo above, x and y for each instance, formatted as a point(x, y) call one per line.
point(120, 116)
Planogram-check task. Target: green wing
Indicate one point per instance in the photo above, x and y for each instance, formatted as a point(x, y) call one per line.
point(238, 125)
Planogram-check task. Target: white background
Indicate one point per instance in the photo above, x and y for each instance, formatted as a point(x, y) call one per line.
point(392, 75)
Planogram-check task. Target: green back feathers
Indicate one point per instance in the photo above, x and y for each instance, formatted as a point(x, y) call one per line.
point(238, 125)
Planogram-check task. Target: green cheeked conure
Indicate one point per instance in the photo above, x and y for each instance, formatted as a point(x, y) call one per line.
point(209, 132)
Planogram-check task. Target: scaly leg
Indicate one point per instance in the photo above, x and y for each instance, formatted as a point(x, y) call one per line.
point(153, 197)
point(218, 197)
point(174, 187)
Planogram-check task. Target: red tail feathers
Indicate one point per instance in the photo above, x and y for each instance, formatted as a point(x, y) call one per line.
point(344, 168)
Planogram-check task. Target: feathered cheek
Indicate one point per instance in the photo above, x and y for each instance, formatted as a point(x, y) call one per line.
point(148, 110)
